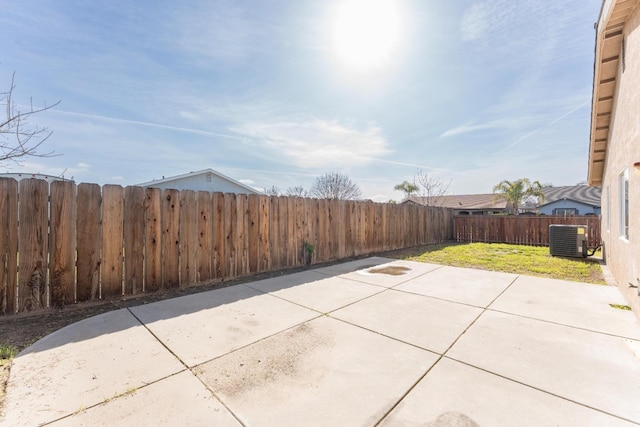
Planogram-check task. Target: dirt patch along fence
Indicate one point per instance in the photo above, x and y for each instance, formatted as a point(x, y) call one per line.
point(522, 230)
point(63, 243)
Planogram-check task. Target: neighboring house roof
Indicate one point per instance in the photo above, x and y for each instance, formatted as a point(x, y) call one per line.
point(578, 193)
point(204, 172)
point(21, 176)
point(464, 201)
point(609, 36)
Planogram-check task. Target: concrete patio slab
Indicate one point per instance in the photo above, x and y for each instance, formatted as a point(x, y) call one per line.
point(328, 294)
point(426, 322)
point(596, 370)
point(455, 394)
point(178, 400)
point(376, 275)
point(82, 365)
point(464, 285)
point(202, 326)
point(324, 372)
point(286, 281)
point(576, 304)
point(350, 266)
point(240, 355)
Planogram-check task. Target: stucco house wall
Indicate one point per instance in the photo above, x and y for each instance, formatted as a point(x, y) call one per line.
point(622, 254)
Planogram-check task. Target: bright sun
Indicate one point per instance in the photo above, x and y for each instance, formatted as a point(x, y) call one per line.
point(366, 32)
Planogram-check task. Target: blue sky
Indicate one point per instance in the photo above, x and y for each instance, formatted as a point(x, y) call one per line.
point(280, 92)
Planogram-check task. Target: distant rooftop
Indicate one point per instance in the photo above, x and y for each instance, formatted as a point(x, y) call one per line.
point(578, 193)
point(21, 176)
point(463, 201)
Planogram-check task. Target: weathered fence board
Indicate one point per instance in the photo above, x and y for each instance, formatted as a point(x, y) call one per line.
point(340, 230)
point(242, 262)
point(231, 233)
point(152, 240)
point(309, 235)
point(524, 230)
point(33, 242)
point(204, 236)
point(253, 234)
point(264, 248)
point(283, 238)
point(349, 228)
point(298, 245)
point(219, 236)
point(170, 205)
point(112, 243)
point(62, 243)
point(89, 235)
point(274, 241)
point(8, 244)
point(134, 227)
point(188, 237)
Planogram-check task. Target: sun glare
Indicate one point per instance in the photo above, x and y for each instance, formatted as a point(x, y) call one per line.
point(366, 32)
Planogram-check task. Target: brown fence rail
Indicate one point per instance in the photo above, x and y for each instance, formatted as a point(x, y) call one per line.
point(64, 243)
point(522, 230)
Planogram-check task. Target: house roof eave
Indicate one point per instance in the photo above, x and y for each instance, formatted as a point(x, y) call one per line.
point(608, 47)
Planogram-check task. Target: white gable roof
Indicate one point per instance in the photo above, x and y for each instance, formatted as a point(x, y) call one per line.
point(204, 180)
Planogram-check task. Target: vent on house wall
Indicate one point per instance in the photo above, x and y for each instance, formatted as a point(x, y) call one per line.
point(568, 240)
point(208, 177)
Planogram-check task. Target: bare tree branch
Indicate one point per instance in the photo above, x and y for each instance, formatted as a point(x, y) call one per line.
point(297, 191)
point(18, 138)
point(430, 188)
point(273, 191)
point(335, 185)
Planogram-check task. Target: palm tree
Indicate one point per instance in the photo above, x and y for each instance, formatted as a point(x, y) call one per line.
point(515, 192)
point(407, 187)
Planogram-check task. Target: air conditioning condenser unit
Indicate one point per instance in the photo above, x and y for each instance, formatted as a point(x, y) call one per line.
point(568, 240)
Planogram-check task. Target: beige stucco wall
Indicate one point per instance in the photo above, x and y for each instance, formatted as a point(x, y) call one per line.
point(622, 256)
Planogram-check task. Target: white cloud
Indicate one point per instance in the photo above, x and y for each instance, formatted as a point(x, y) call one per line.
point(143, 123)
point(248, 182)
point(471, 127)
point(318, 143)
point(476, 21)
point(214, 33)
point(542, 28)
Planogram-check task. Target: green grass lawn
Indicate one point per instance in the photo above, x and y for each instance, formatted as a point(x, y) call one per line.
point(528, 260)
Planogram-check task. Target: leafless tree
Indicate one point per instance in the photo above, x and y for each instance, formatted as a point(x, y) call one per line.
point(334, 185)
point(273, 191)
point(18, 137)
point(430, 188)
point(297, 191)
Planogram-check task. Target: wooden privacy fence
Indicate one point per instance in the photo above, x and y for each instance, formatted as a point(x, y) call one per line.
point(522, 230)
point(64, 243)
